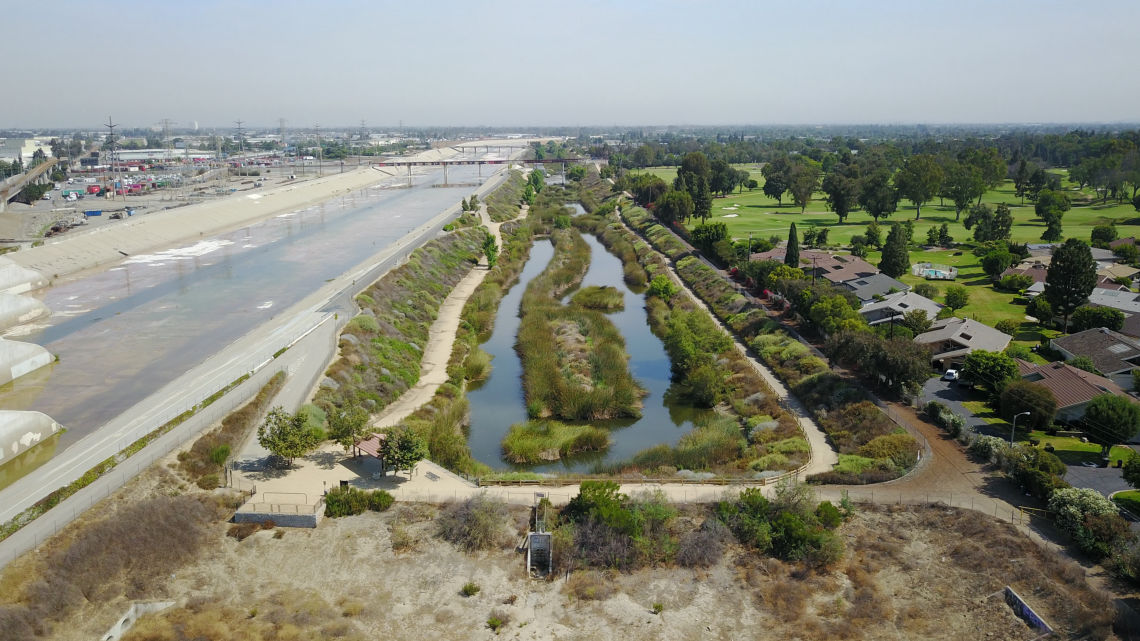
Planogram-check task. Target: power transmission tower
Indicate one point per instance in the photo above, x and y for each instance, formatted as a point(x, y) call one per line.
point(167, 142)
point(241, 140)
point(320, 152)
point(111, 144)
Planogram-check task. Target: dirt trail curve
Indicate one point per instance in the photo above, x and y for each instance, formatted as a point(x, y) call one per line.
point(441, 337)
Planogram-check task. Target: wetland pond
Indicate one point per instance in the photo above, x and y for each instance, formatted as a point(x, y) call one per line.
point(498, 402)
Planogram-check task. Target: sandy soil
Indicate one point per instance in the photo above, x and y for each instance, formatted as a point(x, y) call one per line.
point(907, 575)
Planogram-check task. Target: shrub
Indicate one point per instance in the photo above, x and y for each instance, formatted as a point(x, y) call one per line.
point(209, 482)
point(658, 607)
point(662, 287)
point(474, 524)
point(988, 447)
point(589, 586)
point(703, 547)
point(349, 501)
point(900, 449)
point(1015, 283)
point(828, 515)
point(498, 619)
point(1089, 518)
point(1007, 326)
point(469, 589)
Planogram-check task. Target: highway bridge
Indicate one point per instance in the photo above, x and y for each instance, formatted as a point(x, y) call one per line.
point(12, 186)
point(497, 161)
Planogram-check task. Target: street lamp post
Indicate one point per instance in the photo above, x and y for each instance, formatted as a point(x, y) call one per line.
point(1014, 428)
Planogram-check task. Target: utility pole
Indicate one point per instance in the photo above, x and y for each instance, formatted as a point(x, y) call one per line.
point(167, 143)
point(111, 143)
point(241, 140)
point(320, 153)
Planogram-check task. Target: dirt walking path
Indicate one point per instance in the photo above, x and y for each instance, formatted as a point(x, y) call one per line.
point(441, 337)
point(823, 456)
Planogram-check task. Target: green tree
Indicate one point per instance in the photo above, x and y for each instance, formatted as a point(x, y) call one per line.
point(403, 448)
point(1132, 470)
point(576, 173)
point(874, 235)
point(537, 180)
point(777, 178)
point(285, 435)
point(1102, 235)
point(964, 184)
point(348, 425)
point(917, 321)
point(957, 297)
point(989, 224)
point(1025, 396)
point(1085, 363)
point(944, 237)
point(675, 205)
point(792, 255)
point(1110, 419)
point(1051, 206)
point(996, 262)
point(693, 176)
point(1089, 317)
point(490, 250)
point(1070, 279)
point(896, 257)
point(919, 180)
point(804, 182)
point(877, 195)
point(991, 370)
point(842, 188)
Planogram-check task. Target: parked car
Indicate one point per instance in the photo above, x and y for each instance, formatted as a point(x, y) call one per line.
point(950, 375)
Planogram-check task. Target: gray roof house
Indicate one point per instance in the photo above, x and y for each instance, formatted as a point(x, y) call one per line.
point(1127, 302)
point(896, 305)
point(953, 338)
point(867, 288)
point(1114, 354)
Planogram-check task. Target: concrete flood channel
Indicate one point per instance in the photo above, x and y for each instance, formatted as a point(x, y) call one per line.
point(123, 333)
point(498, 402)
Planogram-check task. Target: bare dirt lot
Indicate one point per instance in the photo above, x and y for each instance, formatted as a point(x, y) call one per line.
point(914, 572)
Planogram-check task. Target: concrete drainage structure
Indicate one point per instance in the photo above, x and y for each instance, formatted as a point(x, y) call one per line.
point(15, 279)
point(17, 359)
point(19, 431)
point(136, 610)
point(18, 310)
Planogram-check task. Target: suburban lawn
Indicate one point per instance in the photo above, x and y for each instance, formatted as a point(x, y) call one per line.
point(1069, 449)
point(752, 211)
point(1129, 500)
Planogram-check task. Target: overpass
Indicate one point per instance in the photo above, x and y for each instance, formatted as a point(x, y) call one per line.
point(12, 186)
point(498, 161)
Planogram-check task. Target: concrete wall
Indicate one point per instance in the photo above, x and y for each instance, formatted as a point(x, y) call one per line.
point(15, 279)
point(19, 431)
point(295, 519)
point(17, 310)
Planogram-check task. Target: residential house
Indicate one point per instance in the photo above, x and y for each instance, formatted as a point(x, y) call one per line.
point(1071, 387)
point(1118, 270)
point(1045, 250)
point(1035, 270)
point(875, 286)
point(1126, 301)
point(1120, 242)
point(1112, 353)
point(837, 268)
point(953, 338)
point(897, 304)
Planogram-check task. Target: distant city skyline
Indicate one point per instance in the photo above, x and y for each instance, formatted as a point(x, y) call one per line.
point(588, 63)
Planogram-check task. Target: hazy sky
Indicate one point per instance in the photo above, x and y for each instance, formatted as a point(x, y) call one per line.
point(570, 62)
